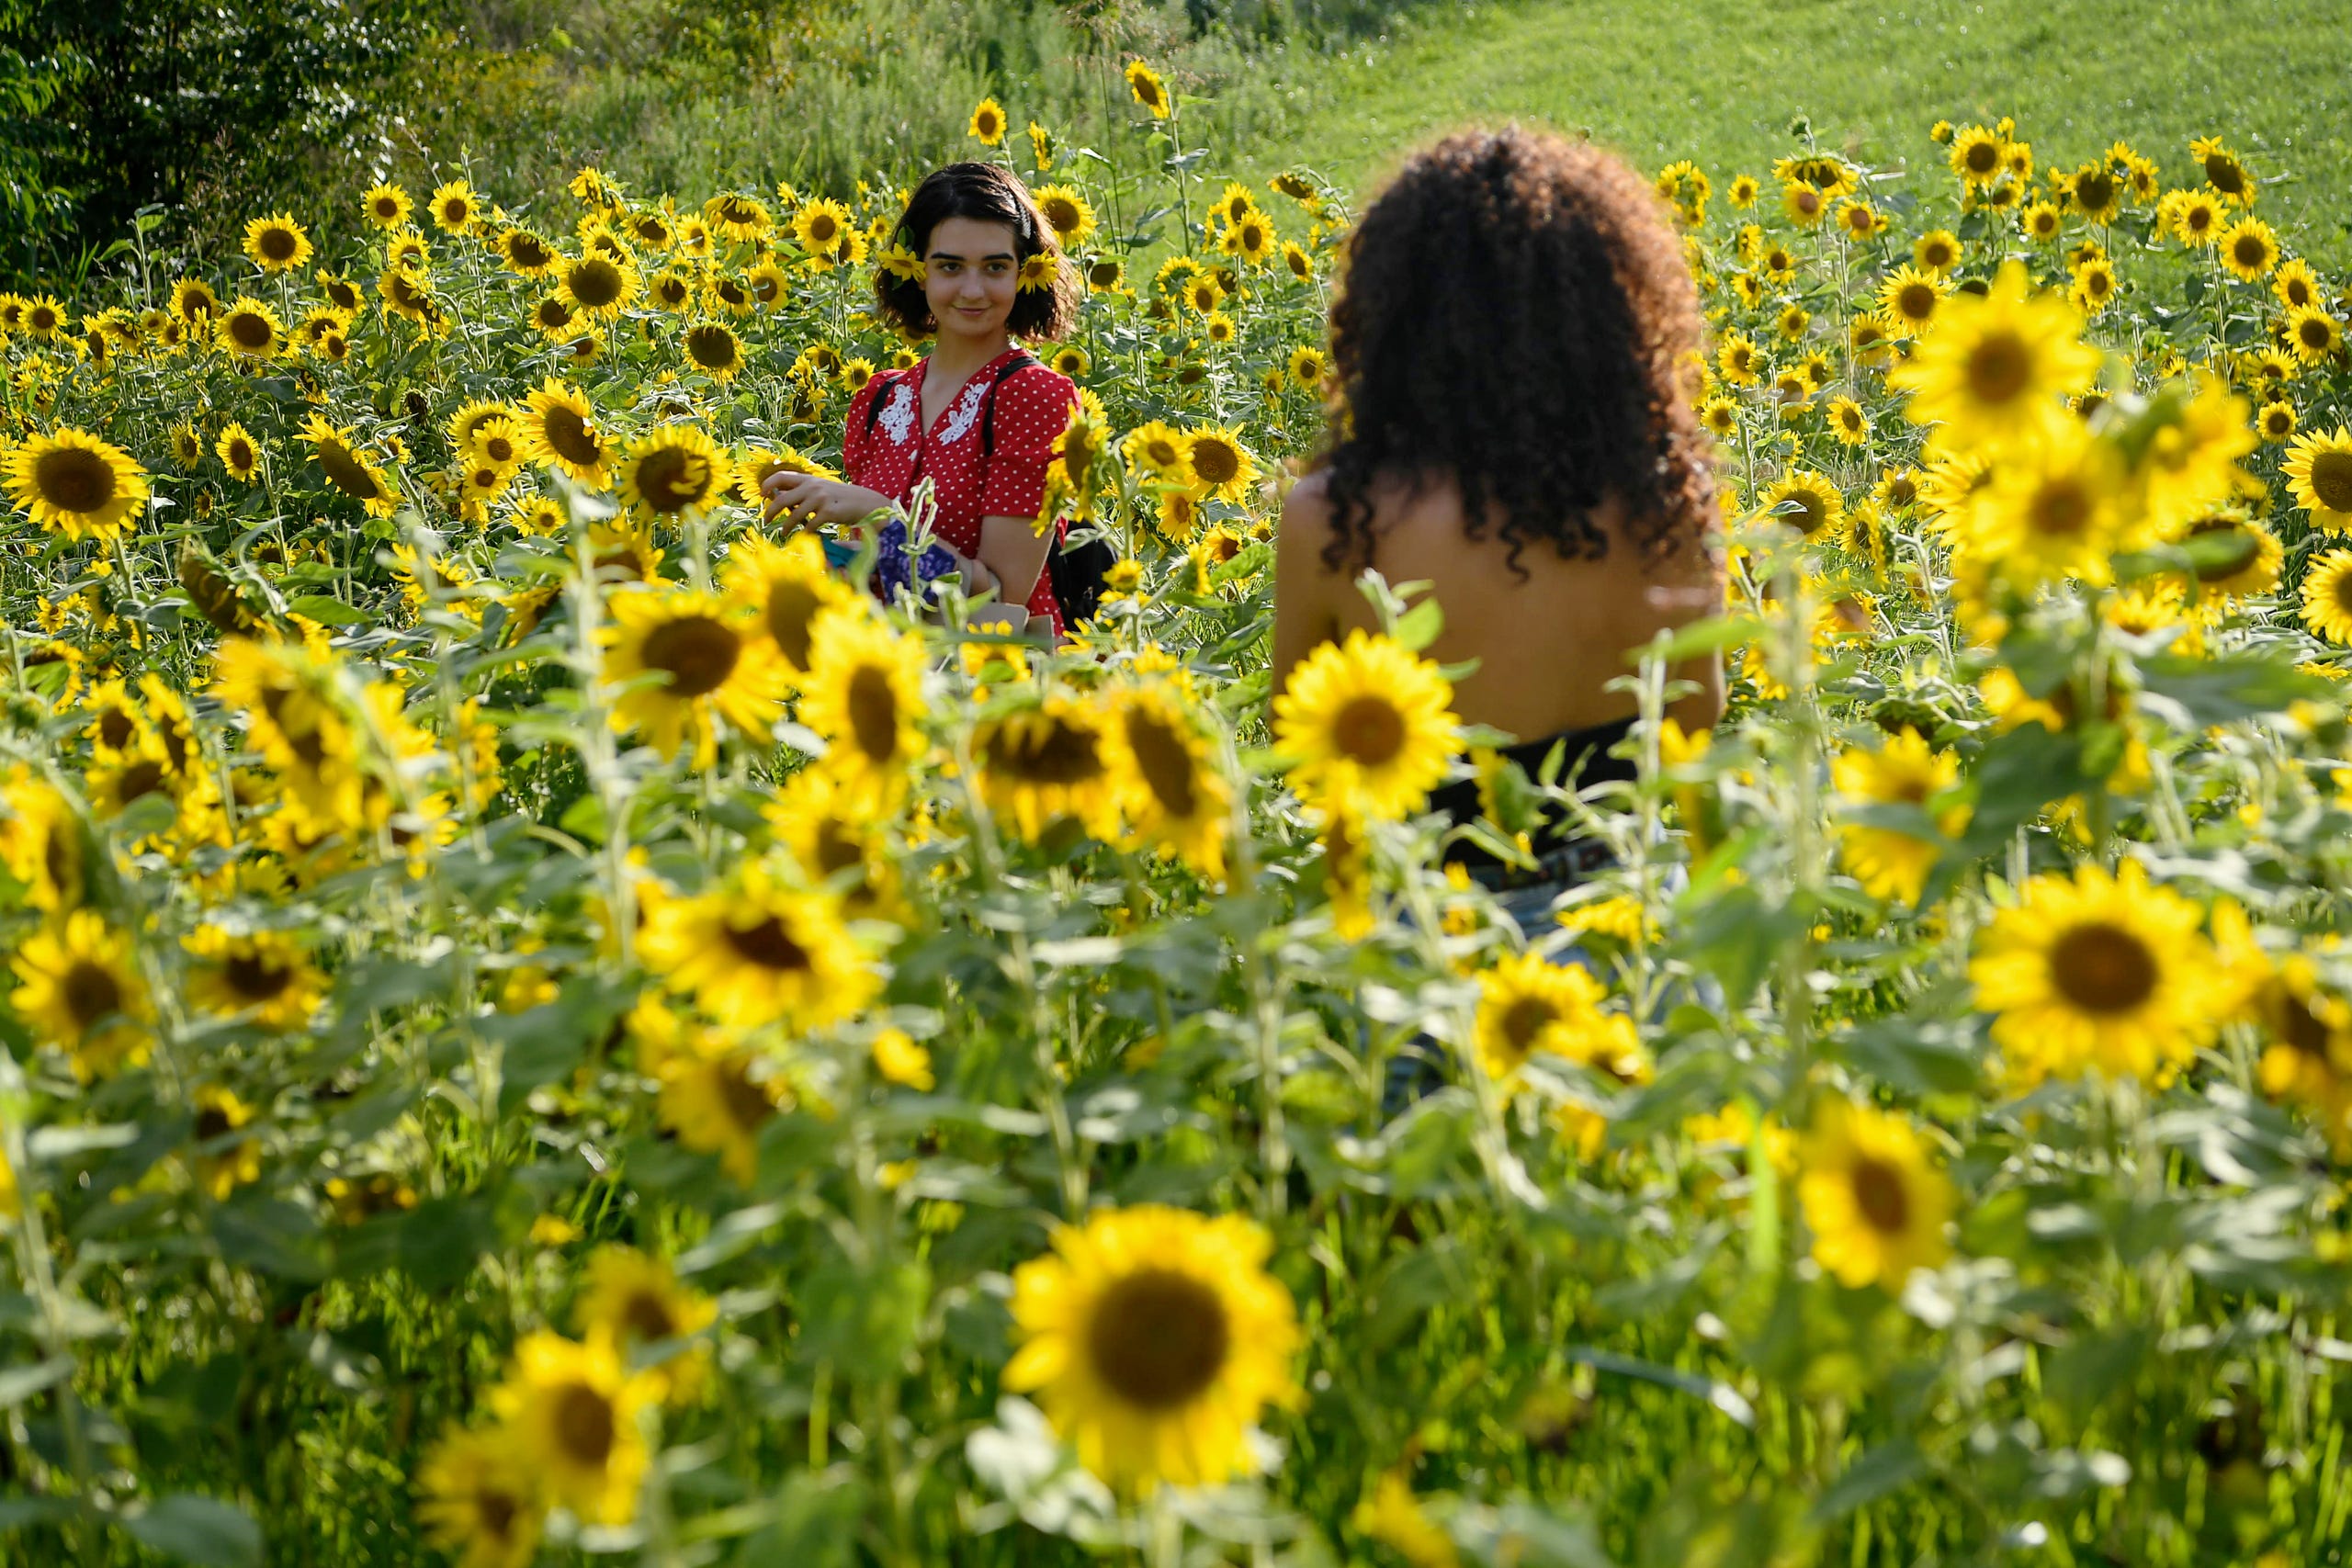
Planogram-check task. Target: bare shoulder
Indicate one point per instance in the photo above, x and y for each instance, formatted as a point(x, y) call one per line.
point(1307, 513)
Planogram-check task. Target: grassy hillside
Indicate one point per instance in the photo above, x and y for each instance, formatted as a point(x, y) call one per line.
point(1721, 81)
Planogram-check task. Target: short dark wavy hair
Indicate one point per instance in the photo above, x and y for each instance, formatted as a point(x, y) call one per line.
point(1515, 314)
point(987, 194)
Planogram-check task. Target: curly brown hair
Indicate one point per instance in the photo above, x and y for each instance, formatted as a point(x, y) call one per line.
point(1515, 314)
point(987, 194)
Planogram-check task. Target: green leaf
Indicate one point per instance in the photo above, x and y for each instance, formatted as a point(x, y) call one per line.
point(1398, 1296)
point(200, 1530)
point(328, 611)
point(1888, 1468)
point(21, 1383)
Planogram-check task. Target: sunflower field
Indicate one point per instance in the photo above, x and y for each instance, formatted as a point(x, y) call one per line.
point(543, 1023)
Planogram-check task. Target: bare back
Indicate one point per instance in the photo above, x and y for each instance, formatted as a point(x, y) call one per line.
point(1547, 646)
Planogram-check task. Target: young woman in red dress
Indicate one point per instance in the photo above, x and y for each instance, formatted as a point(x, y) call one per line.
point(978, 417)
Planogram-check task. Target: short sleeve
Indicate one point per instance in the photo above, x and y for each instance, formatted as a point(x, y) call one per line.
point(1032, 409)
point(857, 424)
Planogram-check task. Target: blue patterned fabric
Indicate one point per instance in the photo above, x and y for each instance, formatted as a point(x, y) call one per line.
point(894, 568)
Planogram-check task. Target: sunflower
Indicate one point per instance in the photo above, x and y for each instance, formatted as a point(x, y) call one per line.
point(559, 428)
point(718, 1103)
point(1040, 764)
point(1992, 372)
point(713, 349)
point(2094, 287)
point(347, 467)
point(1803, 203)
point(2296, 284)
point(819, 226)
point(832, 835)
point(250, 329)
point(223, 1167)
point(1153, 1337)
point(1251, 238)
point(1873, 1197)
point(674, 469)
point(45, 317)
point(2096, 973)
point(1804, 501)
point(276, 243)
point(2097, 194)
point(1739, 361)
point(407, 292)
point(2318, 471)
point(2188, 463)
point(570, 1414)
point(386, 207)
point(263, 976)
point(756, 952)
point(1161, 450)
point(2308, 1059)
point(2042, 223)
point(709, 661)
point(455, 208)
point(597, 286)
point(863, 694)
point(1066, 213)
point(79, 990)
point(633, 1299)
point(2242, 558)
point(2313, 335)
point(1310, 368)
point(479, 1500)
point(2222, 169)
point(1848, 423)
point(1173, 795)
point(1220, 464)
point(2192, 217)
point(1891, 861)
point(1368, 727)
point(1148, 90)
point(2327, 597)
point(2061, 513)
point(1528, 1006)
point(2249, 249)
point(74, 483)
point(1909, 297)
point(988, 123)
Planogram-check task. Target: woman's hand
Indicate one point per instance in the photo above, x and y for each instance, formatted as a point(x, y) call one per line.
point(805, 499)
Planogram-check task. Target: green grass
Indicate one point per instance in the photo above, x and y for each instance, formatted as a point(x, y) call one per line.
point(1721, 81)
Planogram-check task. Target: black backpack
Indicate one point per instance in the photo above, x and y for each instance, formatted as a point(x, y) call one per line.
point(1076, 572)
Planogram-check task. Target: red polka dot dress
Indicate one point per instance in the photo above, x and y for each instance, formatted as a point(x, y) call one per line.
point(884, 449)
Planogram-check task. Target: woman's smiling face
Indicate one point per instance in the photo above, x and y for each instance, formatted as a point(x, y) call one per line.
point(971, 272)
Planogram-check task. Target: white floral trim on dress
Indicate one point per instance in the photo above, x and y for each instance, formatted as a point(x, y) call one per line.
point(966, 413)
point(897, 419)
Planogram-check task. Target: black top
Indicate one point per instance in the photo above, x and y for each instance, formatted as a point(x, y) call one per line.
point(1585, 761)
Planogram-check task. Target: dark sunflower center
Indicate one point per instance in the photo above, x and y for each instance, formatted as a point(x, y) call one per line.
point(213, 1123)
point(552, 313)
point(1165, 764)
point(141, 778)
point(2250, 251)
point(672, 479)
point(873, 711)
point(2315, 333)
point(1879, 1194)
point(747, 1104)
point(528, 249)
point(2102, 968)
point(696, 652)
point(1216, 462)
point(1804, 510)
point(2095, 190)
point(1159, 1339)
point(278, 244)
point(2331, 481)
point(1051, 753)
point(115, 728)
point(595, 282)
point(2225, 557)
point(769, 946)
point(2224, 172)
point(497, 1512)
point(1999, 367)
point(255, 978)
point(584, 1427)
point(1525, 1021)
point(837, 848)
point(569, 432)
point(647, 1316)
point(711, 347)
point(792, 605)
point(74, 478)
point(90, 991)
point(2061, 507)
point(1916, 300)
point(349, 474)
point(2299, 1029)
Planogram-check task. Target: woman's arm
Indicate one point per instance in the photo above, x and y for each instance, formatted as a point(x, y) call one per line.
point(1303, 616)
point(1014, 549)
point(804, 499)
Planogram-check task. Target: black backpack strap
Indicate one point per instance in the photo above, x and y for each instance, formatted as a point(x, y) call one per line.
point(874, 403)
point(1021, 361)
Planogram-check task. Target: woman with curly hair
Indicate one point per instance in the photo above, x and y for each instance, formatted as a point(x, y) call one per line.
point(1510, 347)
point(978, 417)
